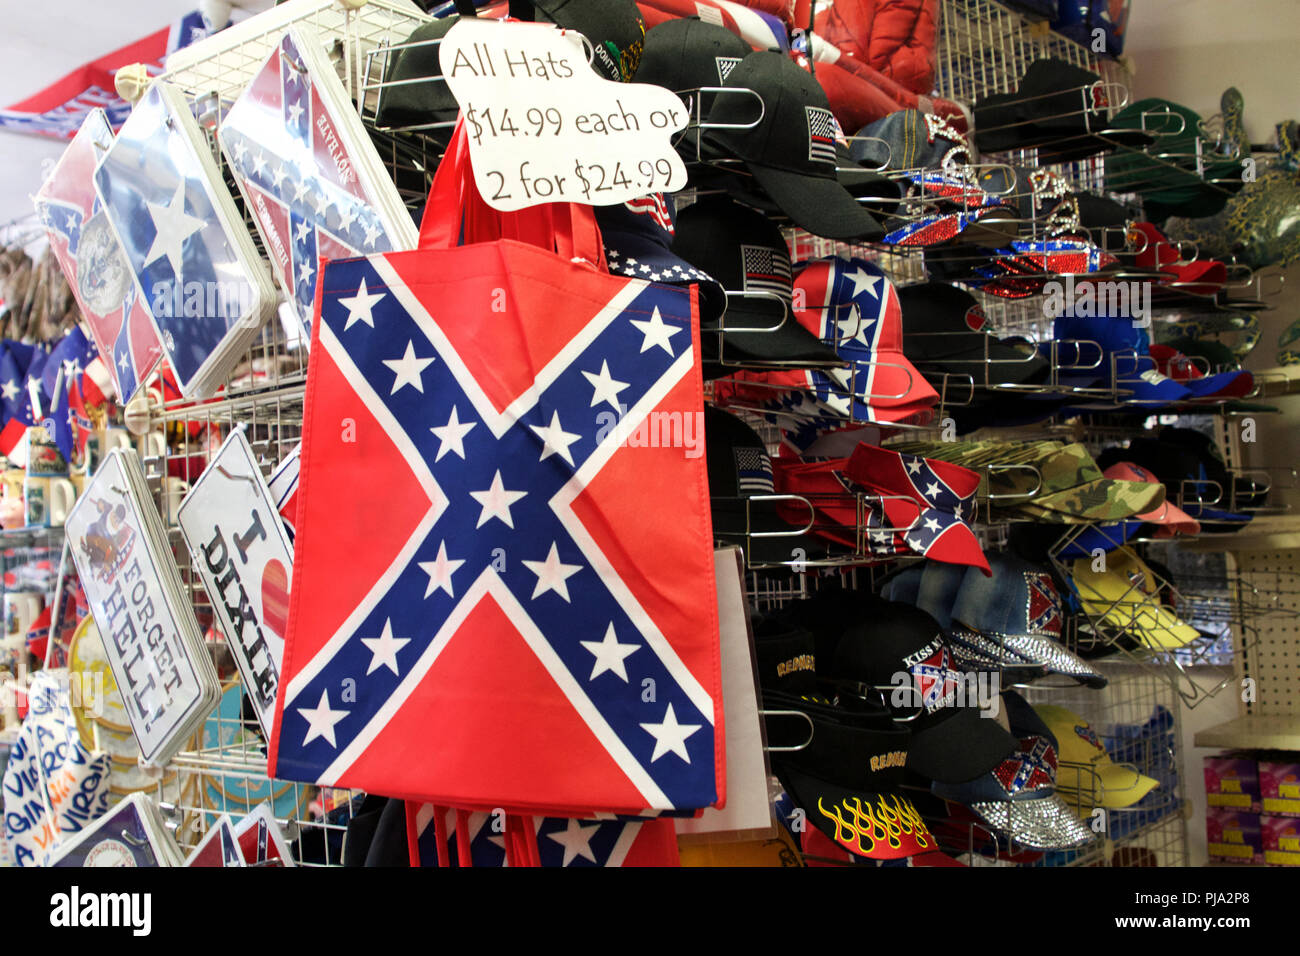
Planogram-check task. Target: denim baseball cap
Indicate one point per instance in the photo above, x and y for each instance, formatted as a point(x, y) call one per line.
point(1020, 606)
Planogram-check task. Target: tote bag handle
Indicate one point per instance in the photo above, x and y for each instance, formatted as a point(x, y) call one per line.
point(456, 214)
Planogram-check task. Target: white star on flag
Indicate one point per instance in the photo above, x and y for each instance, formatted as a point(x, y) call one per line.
point(496, 502)
point(259, 164)
point(305, 272)
point(295, 110)
point(277, 177)
point(383, 649)
point(321, 720)
point(932, 489)
point(440, 571)
point(10, 390)
point(555, 440)
point(452, 435)
point(408, 369)
point(576, 840)
point(913, 466)
point(304, 231)
point(359, 306)
point(322, 204)
point(670, 736)
point(932, 524)
point(172, 225)
point(610, 655)
point(862, 279)
point(299, 190)
point(372, 233)
point(347, 216)
point(656, 332)
point(606, 387)
point(552, 573)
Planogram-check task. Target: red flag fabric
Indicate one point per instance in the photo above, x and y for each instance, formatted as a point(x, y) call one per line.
point(496, 620)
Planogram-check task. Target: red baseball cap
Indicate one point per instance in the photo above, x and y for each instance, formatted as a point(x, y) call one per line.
point(1172, 519)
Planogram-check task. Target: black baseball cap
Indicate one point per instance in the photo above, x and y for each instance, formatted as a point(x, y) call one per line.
point(1059, 108)
point(943, 328)
point(790, 149)
point(614, 27)
point(740, 481)
point(744, 251)
point(950, 743)
point(786, 655)
point(686, 54)
point(414, 92)
point(843, 770)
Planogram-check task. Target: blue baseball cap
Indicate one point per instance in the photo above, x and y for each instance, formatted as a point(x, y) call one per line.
point(932, 586)
point(638, 238)
point(1107, 537)
point(1135, 370)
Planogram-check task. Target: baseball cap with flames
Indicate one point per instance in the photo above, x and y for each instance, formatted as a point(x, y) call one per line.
point(847, 776)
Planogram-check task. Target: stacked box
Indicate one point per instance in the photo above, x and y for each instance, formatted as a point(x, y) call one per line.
point(1232, 780)
point(1280, 838)
point(1279, 786)
point(1233, 836)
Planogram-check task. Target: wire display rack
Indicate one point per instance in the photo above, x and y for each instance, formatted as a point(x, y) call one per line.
point(982, 48)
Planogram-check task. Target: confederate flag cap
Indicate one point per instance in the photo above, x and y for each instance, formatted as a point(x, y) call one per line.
point(1020, 606)
point(851, 305)
point(932, 500)
point(788, 144)
point(951, 742)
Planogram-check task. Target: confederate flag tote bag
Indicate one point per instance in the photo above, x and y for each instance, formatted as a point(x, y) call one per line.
point(503, 589)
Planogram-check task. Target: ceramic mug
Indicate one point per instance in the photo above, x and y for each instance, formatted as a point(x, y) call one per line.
point(49, 499)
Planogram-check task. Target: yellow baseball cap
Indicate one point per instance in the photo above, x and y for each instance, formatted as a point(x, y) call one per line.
point(1125, 595)
point(1085, 771)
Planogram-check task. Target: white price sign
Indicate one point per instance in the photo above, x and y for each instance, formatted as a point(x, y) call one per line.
point(544, 127)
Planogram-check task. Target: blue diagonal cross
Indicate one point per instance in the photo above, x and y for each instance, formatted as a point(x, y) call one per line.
point(631, 695)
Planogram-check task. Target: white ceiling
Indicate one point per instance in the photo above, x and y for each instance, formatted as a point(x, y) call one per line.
point(37, 47)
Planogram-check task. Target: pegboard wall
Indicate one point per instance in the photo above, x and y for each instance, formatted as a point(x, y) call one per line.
point(1273, 662)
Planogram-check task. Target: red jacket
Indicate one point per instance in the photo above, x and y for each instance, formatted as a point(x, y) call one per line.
point(893, 37)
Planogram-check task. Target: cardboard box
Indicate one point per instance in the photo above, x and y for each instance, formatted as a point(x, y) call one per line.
point(1233, 836)
point(1279, 787)
point(1232, 780)
point(1280, 838)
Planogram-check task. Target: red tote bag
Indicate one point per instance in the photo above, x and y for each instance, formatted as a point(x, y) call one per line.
point(503, 591)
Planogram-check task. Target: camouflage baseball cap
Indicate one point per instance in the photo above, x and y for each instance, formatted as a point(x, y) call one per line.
point(1070, 488)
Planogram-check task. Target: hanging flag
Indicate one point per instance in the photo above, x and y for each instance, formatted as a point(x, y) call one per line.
point(60, 108)
point(561, 841)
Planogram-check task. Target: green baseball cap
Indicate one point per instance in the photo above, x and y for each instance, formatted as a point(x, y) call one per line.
point(1072, 489)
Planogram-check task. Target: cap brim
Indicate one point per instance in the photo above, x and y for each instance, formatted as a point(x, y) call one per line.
point(821, 206)
point(782, 338)
point(1173, 517)
point(638, 257)
point(1220, 385)
point(888, 380)
point(880, 826)
point(1041, 822)
point(960, 748)
point(1109, 785)
point(1120, 604)
point(1103, 499)
point(1054, 658)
